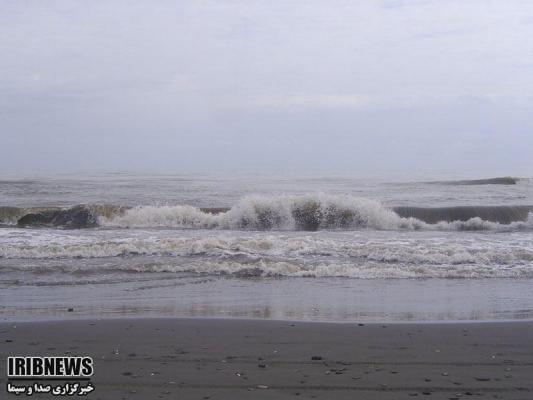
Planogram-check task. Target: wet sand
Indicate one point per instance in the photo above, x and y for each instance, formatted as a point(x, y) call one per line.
point(261, 359)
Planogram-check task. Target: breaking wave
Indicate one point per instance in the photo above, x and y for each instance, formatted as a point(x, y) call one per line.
point(323, 212)
point(505, 180)
point(307, 213)
point(301, 213)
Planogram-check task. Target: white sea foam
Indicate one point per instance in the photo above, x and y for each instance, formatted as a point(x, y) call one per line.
point(162, 217)
point(355, 254)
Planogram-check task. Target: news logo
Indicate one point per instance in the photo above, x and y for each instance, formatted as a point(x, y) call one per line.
point(75, 372)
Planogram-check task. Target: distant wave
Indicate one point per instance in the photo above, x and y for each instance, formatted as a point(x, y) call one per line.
point(302, 213)
point(505, 180)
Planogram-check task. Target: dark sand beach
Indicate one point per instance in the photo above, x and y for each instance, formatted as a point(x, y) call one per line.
point(264, 359)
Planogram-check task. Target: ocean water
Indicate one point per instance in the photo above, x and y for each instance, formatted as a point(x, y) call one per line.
point(315, 247)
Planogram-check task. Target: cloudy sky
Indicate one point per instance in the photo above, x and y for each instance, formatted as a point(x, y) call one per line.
point(352, 86)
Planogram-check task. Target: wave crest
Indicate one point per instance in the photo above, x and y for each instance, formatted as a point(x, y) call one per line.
point(309, 212)
point(319, 212)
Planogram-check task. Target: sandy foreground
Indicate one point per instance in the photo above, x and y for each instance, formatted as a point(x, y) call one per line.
point(262, 359)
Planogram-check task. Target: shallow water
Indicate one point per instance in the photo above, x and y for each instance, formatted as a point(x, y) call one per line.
point(309, 299)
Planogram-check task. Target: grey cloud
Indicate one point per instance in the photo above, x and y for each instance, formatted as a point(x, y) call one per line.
point(256, 85)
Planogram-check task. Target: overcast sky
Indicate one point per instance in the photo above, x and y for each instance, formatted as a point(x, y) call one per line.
point(348, 86)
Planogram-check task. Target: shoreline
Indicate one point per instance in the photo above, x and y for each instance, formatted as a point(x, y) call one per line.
point(219, 358)
point(103, 318)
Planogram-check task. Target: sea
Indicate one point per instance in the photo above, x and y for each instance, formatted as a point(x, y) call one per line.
point(317, 247)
